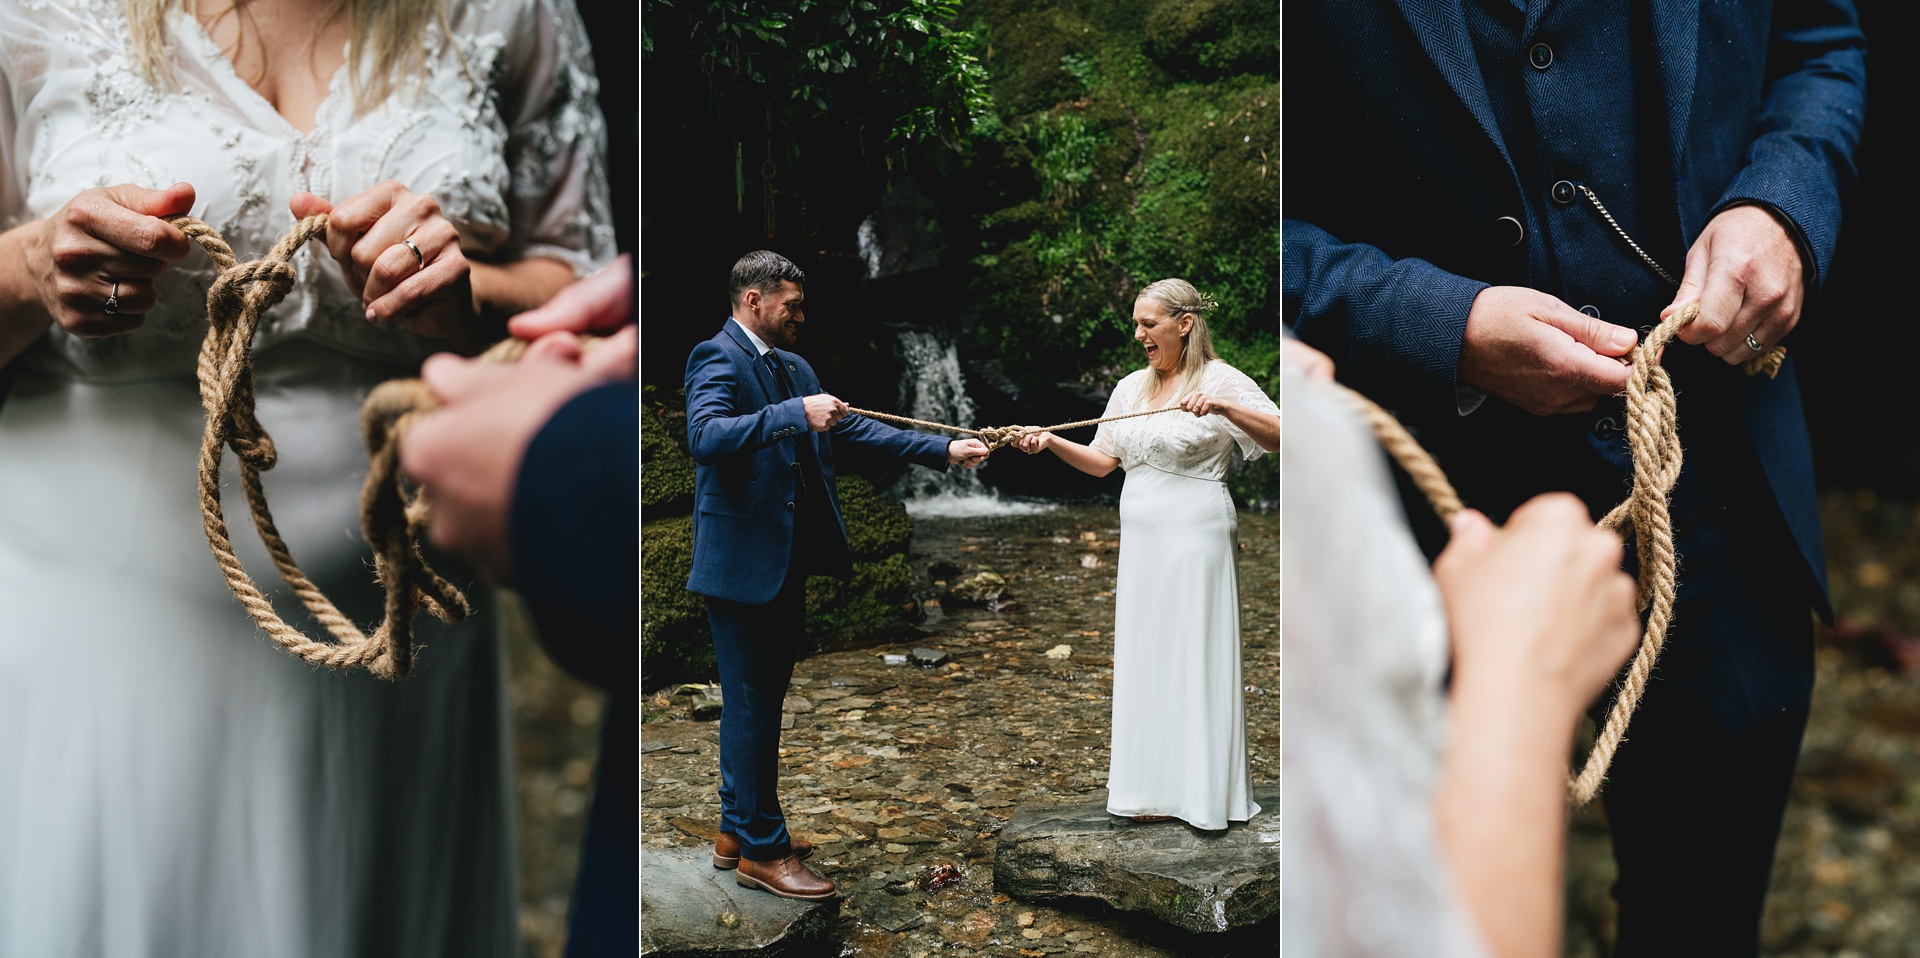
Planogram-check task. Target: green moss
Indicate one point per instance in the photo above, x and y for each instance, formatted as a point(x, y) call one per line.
point(1141, 142)
point(676, 643)
point(879, 599)
point(666, 473)
point(876, 526)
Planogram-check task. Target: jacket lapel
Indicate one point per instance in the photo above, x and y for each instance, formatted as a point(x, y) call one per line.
point(768, 388)
point(1441, 28)
point(793, 376)
point(1676, 43)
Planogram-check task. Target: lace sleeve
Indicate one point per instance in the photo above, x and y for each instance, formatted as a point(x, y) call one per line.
point(1225, 382)
point(1117, 403)
point(556, 141)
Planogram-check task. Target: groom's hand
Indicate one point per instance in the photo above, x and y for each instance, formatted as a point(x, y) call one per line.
point(823, 411)
point(967, 452)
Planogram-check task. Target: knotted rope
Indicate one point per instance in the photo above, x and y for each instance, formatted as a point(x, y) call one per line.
point(997, 436)
point(391, 517)
point(1654, 437)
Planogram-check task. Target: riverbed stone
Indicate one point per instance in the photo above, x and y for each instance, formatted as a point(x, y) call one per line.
point(929, 658)
point(689, 909)
point(1196, 880)
point(977, 589)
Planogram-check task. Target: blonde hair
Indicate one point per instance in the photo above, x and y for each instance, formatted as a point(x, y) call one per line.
point(1196, 347)
point(385, 37)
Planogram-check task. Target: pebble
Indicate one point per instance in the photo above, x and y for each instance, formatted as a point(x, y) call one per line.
point(933, 766)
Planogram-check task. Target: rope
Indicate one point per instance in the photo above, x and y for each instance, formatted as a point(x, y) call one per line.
point(1654, 438)
point(997, 436)
point(390, 516)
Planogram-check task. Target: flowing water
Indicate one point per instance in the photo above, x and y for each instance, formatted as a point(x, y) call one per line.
point(932, 388)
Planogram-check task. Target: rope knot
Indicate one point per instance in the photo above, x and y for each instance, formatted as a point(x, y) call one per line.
point(257, 284)
point(997, 436)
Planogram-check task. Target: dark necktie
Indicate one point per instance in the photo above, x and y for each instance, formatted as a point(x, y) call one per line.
point(807, 466)
point(779, 370)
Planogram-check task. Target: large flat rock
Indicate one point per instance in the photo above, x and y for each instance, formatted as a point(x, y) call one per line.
point(1195, 880)
point(690, 909)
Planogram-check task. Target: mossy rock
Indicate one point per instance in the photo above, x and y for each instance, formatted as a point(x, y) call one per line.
point(666, 471)
point(876, 526)
point(676, 643)
point(879, 600)
point(1206, 38)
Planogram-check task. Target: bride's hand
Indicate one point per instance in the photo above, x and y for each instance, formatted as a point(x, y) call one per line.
point(1034, 442)
point(401, 256)
point(107, 242)
point(1201, 404)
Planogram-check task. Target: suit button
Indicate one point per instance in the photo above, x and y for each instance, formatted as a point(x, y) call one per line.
point(1541, 56)
point(1511, 230)
point(789, 507)
point(1593, 311)
point(1562, 192)
point(1605, 428)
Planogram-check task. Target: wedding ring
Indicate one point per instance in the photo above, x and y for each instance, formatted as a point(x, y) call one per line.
point(1754, 344)
point(421, 258)
point(113, 300)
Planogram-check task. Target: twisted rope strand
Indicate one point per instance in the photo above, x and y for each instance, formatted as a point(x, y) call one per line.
point(1654, 438)
point(997, 436)
point(391, 520)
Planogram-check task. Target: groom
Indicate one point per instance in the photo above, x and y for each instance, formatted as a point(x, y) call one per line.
point(767, 517)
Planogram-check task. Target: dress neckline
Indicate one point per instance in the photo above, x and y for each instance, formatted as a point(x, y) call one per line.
point(243, 92)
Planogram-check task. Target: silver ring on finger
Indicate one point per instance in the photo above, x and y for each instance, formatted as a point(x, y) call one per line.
point(418, 257)
point(113, 300)
point(1754, 344)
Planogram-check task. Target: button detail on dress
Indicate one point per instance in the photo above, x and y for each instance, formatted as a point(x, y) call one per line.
point(1605, 428)
point(789, 507)
point(1513, 229)
point(1591, 310)
point(1562, 192)
point(1540, 55)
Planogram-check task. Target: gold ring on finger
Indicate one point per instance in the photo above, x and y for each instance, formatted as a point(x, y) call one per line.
point(418, 256)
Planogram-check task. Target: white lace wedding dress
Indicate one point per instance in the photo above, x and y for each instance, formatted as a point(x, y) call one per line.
point(171, 783)
point(1179, 726)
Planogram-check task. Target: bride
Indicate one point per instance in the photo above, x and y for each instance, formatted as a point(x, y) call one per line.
point(1179, 734)
point(170, 782)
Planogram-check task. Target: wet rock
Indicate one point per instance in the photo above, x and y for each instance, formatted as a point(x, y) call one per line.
point(892, 914)
point(705, 706)
point(977, 589)
point(929, 658)
point(1197, 881)
point(690, 909)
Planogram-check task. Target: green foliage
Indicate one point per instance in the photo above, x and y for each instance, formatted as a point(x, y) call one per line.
point(877, 526)
point(1139, 141)
point(879, 599)
point(806, 57)
point(676, 643)
point(666, 472)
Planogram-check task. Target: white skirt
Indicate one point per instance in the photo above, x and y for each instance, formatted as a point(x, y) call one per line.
point(171, 782)
point(1179, 724)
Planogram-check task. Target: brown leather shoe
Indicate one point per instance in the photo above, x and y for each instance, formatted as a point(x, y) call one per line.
point(726, 850)
point(786, 878)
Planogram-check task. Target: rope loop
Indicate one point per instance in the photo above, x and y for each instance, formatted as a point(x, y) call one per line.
point(391, 517)
point(1653, 436)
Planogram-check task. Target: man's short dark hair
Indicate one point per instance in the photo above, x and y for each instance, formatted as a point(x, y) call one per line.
point(763, 270)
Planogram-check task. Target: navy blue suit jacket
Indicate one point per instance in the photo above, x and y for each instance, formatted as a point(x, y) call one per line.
point(1402, 201)
point(576, 559)
point(744, 443)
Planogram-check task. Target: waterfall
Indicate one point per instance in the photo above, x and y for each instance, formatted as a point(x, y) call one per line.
point(932, 388)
